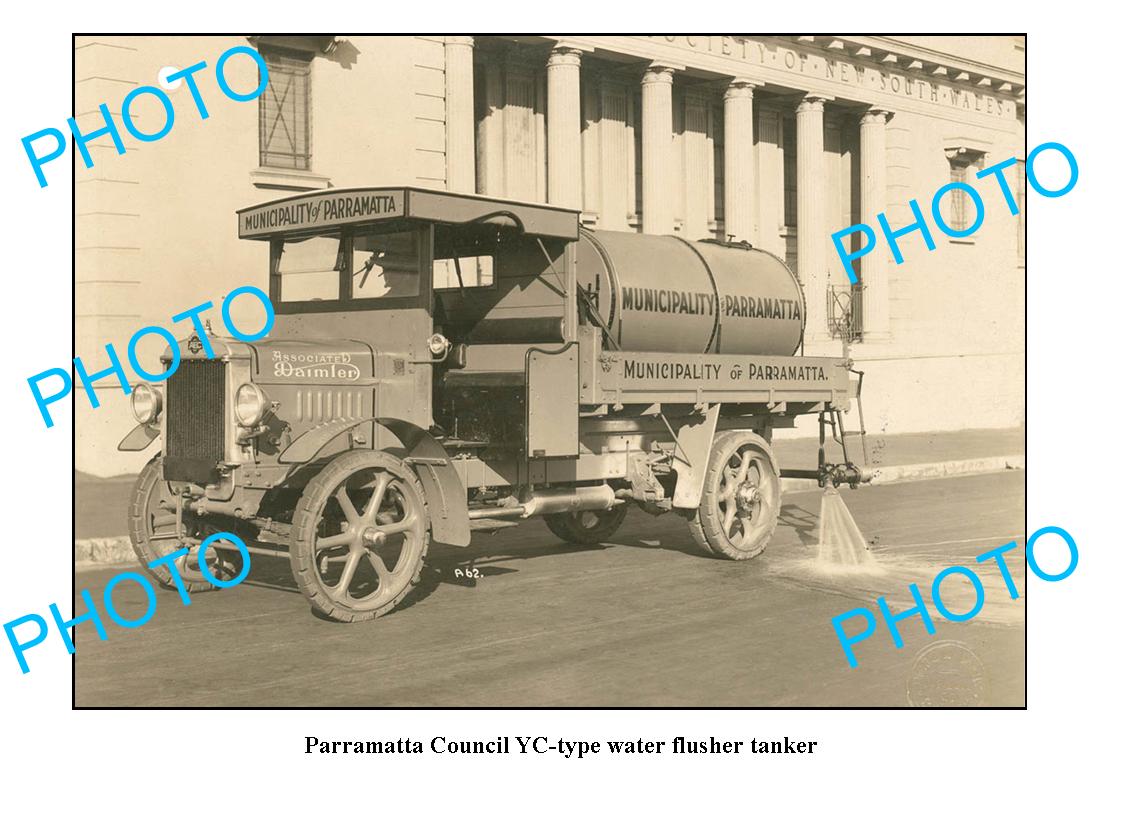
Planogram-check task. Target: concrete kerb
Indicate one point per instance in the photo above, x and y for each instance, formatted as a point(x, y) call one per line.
point(96, 552)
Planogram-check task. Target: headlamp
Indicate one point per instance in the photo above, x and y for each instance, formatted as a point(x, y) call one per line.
point(250, 405)
point(145, 403)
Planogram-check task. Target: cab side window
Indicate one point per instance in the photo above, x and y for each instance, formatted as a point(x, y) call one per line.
point(469, 272)
point(464, 257)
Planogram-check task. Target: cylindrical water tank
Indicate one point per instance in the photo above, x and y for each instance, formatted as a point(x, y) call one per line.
point(663, 293)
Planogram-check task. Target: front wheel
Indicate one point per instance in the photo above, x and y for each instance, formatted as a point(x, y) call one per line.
point(740, 498)
point(153, 533)
point(360, 534)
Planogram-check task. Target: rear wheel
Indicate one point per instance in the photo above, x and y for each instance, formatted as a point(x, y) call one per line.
point(360, 534)
point(587, 526)
point(740, 498)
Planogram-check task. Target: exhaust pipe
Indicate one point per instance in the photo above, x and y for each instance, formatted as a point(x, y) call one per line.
point(553, 500)
point(569, 500)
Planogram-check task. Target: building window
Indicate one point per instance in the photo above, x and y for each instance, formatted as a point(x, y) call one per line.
point(284, 112)
point(961, 204)
point(958, 208)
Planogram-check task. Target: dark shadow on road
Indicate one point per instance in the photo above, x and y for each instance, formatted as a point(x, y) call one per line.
point(445, 565)
point(503, 553)
point(803, 522)
point(666, 531)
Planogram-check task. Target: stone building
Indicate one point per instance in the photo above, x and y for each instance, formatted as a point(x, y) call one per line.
point(779, 141)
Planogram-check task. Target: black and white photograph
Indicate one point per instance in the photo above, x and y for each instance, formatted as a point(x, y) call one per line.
point(562, 341)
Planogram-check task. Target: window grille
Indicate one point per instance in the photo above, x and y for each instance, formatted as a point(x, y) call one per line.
point(284, 113)
point(957, 207)
point(962, 208)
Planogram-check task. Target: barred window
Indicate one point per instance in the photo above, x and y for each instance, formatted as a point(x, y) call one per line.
point(958, 210)
point(284, 112)
point(962, 214)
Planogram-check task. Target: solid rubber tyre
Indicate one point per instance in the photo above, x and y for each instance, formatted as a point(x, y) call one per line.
point(740, 504)
point(587, 526)
point(148, 519)
point(322, 524)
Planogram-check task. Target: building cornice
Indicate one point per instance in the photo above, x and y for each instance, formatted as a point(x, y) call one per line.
point(907, 55)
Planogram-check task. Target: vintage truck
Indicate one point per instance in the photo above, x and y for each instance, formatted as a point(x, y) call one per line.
point(442, 363)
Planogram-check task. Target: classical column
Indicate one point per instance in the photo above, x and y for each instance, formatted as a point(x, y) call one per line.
point(658, 184)
point(490, 159)
point(740, 178)
point(769, 199)
point(875, 266)
point(524, 131)
point(811, 226)
point(460, 116)
point(563, 127)
point(697, 175)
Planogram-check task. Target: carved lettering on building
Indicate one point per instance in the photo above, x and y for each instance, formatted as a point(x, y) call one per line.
point(863, 77)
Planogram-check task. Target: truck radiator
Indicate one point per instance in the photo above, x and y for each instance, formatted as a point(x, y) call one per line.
point(196, 420)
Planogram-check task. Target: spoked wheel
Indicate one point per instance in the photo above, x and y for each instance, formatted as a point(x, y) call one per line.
point(359, 536)
point(740, 498)
point(587, 526)
point(152, 530)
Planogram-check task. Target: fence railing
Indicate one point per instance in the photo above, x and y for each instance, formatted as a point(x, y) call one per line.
point(844, 312)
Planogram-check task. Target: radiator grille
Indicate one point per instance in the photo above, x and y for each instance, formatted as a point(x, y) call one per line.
point(196, 419)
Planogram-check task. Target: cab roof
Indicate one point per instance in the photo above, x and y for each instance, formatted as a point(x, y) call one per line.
point(327, 209)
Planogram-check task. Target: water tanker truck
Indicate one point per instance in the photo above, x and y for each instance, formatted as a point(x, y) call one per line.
point(446, 363)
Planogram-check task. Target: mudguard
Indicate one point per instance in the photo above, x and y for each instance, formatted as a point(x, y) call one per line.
point(692, 455)
point(444, 492)
point(138, 438)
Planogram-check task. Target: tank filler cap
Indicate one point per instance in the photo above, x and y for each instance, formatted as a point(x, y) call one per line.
point(732, 244)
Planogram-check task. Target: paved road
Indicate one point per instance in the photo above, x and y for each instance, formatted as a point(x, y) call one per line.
point(641, 621)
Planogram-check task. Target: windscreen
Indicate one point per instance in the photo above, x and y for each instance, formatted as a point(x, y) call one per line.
point(307, 269)
point(358, 266)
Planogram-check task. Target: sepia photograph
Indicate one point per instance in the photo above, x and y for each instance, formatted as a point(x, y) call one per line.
point(549, 371)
